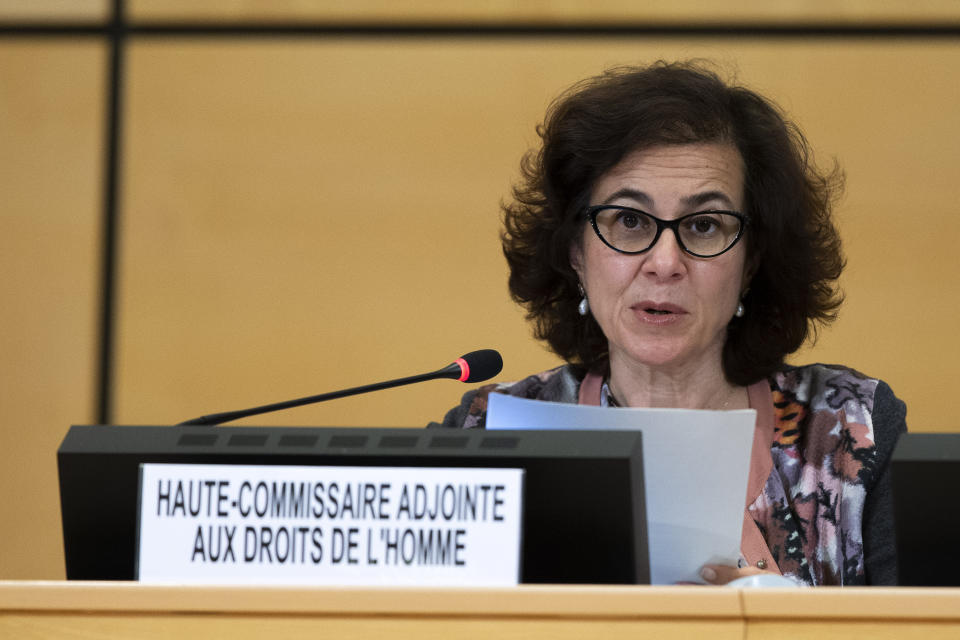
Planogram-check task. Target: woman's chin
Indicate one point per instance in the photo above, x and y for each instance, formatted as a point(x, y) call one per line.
point(658, 358)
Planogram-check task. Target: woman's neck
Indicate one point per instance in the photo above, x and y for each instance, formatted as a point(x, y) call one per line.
point(693, 387)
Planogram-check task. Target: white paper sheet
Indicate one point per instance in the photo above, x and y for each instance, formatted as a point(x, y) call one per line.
point(695, 463)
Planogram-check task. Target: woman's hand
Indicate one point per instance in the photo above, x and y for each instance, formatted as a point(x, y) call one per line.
point(722, 574)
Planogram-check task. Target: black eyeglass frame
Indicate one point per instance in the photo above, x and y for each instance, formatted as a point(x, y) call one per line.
point(592, 212)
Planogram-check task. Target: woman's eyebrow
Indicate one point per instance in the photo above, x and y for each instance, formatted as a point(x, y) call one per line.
point(699, 199)
point(631, 193)
point(692, 201)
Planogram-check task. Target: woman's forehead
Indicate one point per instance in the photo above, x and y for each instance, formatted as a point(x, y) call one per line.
point(691, 173)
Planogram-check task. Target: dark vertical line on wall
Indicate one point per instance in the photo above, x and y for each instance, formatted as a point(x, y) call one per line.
point(111, 193)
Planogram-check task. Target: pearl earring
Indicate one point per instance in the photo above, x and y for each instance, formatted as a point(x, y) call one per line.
point(584, 307)
point(740, 310)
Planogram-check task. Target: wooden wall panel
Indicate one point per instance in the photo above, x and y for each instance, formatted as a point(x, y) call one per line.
point(554, 11)
point(54, 10)
point(304, 217)
point(308, 215)
point(51, 116)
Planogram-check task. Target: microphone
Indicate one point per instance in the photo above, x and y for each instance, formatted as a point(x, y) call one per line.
point(475, 366)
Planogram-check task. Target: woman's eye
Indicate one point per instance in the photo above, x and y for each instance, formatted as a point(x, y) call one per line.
point(703, 225)
point(630, 220)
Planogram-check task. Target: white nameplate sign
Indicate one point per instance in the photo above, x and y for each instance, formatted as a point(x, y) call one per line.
point(296, 525)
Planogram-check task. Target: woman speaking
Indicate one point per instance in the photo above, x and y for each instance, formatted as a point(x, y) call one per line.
point(671, 240)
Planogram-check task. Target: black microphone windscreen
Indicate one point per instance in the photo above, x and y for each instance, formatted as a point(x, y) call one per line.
point(482, 364)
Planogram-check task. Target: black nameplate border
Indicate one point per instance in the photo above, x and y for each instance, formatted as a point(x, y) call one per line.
point(584, 517)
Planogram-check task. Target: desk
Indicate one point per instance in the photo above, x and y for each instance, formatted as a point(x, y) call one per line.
point(101, 610)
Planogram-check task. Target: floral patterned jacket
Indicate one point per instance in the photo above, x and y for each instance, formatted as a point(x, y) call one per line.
point(825, 510)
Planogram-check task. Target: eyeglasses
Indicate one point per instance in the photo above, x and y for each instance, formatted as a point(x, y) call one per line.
point(704, 234)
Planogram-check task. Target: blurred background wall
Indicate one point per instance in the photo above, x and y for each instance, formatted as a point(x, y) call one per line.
point(207, 206)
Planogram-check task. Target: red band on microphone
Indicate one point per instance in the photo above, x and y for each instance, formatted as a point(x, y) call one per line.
point(464, 370)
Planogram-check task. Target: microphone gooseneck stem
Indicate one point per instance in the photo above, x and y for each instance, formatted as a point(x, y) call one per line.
point(451, 371)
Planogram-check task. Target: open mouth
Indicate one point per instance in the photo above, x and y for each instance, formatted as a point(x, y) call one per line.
point(659, 309)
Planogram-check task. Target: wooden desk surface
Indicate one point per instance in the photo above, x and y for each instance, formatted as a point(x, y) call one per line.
point(129, 610)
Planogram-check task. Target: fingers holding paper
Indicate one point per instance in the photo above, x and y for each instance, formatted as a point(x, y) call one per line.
point(722, 574)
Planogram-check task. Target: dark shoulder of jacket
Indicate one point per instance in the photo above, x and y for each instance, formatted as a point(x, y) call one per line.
point(889, 420)
point(554, 384)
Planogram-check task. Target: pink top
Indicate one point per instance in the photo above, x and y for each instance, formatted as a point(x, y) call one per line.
point(752, 545)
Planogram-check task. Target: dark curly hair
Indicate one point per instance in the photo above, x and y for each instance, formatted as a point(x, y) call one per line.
point(793, 247)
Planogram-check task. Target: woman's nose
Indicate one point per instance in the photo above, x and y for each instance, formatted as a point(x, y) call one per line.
point(665, 260)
